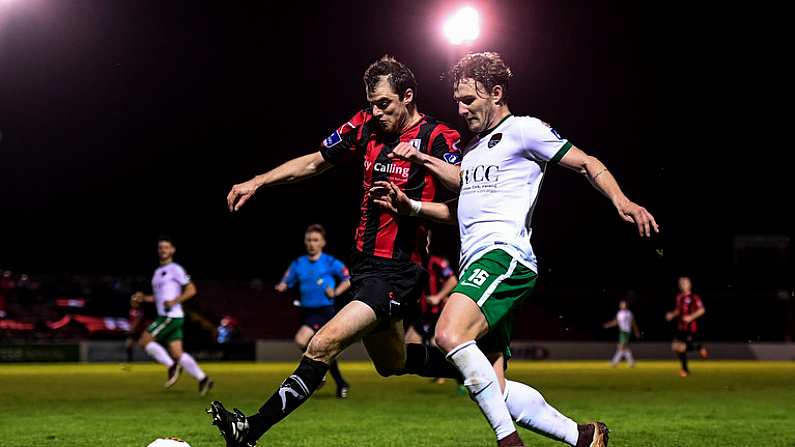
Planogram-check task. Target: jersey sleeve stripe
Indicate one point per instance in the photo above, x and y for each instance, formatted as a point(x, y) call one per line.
point(561, 153)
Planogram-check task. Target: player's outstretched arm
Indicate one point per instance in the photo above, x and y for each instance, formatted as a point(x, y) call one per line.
point(388, 195)
point(609, 324)
point(291, 171)
point(603, 180)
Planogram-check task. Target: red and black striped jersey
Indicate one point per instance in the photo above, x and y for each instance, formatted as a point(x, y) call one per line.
point(687, 304)
point(382, 233)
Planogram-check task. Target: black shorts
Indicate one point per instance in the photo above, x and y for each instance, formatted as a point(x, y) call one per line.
point(391, 288)
point(688, 338)
point(316, 317)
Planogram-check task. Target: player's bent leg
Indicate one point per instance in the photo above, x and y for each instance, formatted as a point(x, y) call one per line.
point(531, 411)
point(343, 388)
point(616, 357)
point(680, 349)
point(460, 324)
point(426, 360)
point(188, 363)
point(460, 321)
point(629, 357)
point(175, 370)
point(175, 348)
point(144, 339)
point(387, 349)
point(156, 351)
point(348, 326)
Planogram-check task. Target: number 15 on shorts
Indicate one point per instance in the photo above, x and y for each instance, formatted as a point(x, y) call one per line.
point(476, 279)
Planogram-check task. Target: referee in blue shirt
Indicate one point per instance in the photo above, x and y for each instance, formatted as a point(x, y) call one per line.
point(320, 279)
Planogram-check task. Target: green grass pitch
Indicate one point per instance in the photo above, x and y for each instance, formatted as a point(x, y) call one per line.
point(720, 404)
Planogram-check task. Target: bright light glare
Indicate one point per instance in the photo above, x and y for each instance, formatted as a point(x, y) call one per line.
point(462, 27)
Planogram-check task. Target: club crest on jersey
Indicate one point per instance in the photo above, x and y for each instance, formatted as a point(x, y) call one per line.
point(416, 143)
point(332, 139)
point(452, 158)
point(494, 140)
point(552, 129)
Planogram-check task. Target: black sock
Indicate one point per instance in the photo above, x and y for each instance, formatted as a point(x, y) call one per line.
point(334, 369)
point(428, 361)
point(291, 394)
point(129, 354)
point(683, 359)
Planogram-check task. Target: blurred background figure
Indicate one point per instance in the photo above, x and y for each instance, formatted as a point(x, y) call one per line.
point(625, 321)
point(320, 278)
point(171, 286)
point(441, 281)
point(688, 309)
point(228, 330)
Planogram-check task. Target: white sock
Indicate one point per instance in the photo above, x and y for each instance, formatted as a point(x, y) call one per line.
point(628, 355)
point(531, 411)
point(484, 388)
point(190, 365)
point(159, 353)
point(616, 358)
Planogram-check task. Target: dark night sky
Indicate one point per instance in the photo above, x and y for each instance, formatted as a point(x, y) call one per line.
point(122, 120)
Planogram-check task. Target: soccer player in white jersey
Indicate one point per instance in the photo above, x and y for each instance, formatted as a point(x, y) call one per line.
point(171, 286)
point(625, 321)
point(500, 177)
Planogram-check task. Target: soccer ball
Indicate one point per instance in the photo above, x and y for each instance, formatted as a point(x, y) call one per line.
point(168, 442)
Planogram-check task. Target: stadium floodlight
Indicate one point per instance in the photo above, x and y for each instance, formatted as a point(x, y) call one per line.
point(463, 26)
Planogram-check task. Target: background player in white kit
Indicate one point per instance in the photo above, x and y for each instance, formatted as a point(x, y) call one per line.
point(625, 321)
point(171, 286)
point(500, 177)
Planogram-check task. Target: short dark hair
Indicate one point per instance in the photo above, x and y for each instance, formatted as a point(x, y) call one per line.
point(316, 228)
point(488, 68)
point(398, 75)
point(166, 238)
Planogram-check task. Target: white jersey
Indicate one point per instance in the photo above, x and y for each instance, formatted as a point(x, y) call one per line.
point(501, 175)
point(624, 318)
point(167, 283)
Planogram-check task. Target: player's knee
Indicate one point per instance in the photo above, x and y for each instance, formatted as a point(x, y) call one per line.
point(322, 347)
point(144, 340)
point(447, 339)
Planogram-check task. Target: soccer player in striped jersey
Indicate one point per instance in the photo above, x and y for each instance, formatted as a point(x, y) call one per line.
point(688, 309)
point(387, 276)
